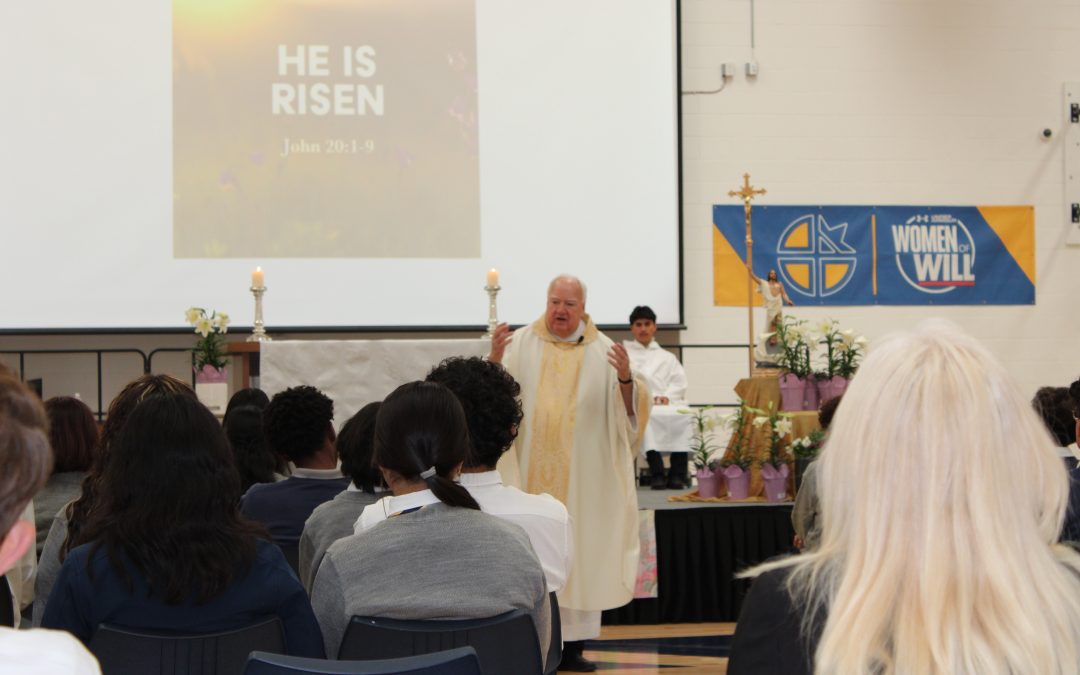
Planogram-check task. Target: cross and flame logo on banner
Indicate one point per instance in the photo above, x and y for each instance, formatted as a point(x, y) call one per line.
point(888, 255)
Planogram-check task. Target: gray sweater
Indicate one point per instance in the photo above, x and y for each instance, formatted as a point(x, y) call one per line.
point(61, 489)
point(329, 522)
point(49, 564)
point(440, 562)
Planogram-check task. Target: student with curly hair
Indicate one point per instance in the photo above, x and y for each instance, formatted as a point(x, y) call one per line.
point(167, 547)
point(299, 426)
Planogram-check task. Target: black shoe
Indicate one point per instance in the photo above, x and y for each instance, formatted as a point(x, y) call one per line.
point(679, 473)
point(656, 469)
point(574, 662)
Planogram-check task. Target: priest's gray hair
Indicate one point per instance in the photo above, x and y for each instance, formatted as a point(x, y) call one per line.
point(571, 278)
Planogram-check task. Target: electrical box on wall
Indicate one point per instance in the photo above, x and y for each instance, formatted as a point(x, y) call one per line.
point(1071, 208)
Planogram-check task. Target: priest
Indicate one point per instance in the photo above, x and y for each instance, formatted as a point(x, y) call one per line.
point(584, 410)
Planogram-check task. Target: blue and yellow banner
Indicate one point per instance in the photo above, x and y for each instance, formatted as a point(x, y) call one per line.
point(885, 255)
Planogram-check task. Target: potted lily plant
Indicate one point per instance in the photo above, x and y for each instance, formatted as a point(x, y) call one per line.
point(209, 356)
point(844, 350)
point(775, 470)
point(806, 450)
point(736, 466)
point(703, 448)
point(793, 337)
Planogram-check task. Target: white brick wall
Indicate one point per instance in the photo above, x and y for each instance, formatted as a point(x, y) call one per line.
point(885, 102)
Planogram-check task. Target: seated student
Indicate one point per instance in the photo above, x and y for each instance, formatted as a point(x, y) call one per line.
point(667, 382)
point(489, 396)
point(806, 512)
point(73, 434)
point(247, 437)
point(334, 519)
point(299, 426)
point(436, 556)
point(169, 550)
point(942, 500)
point(25, 463)
point(67, 527)
point(1057, 410)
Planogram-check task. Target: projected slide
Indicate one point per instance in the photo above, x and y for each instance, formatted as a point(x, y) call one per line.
point(325, 129)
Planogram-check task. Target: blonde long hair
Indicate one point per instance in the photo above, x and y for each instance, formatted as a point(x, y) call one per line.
point(942, 500)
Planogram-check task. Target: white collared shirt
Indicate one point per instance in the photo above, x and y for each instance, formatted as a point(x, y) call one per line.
point(544, 518)
point(318, 474)
point(373, 514)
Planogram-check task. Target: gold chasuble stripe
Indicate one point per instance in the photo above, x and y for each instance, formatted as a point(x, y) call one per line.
point(554, 419)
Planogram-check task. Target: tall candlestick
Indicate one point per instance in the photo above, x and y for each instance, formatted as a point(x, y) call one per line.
point(258, 334)
point(258, 278)
point(492, 289)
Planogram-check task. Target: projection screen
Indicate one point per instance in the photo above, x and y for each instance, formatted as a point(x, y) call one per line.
point(374, 157)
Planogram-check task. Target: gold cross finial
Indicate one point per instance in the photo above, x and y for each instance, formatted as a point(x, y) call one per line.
point(748, 192)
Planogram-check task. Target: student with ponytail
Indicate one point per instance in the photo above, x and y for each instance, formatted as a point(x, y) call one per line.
point(435, 555)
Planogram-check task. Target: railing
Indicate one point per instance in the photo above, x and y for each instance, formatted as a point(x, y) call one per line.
point(147, 362)
point(100, 413)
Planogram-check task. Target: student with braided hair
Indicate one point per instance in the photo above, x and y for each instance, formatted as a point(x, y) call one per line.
point(435, 556)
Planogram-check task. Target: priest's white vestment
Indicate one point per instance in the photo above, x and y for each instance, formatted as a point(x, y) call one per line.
point(575, 443)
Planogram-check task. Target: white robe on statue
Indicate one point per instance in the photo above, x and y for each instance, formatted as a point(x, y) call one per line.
point(575, 444)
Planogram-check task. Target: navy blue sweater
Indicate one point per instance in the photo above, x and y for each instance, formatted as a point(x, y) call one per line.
point(79, 605)
point(284, 507)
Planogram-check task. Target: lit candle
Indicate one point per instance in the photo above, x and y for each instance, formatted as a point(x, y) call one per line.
point(257, 278)
point(493, 278)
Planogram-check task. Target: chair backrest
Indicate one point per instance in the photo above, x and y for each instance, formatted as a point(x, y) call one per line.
point(460, 661)
point(7, 604)
point(123, 651)
point(504, 644)
point(554, 653)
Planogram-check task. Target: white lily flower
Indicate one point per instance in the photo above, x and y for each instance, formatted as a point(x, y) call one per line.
point(731, 420)
point(825, 327)
point(192, 315)
point(783, 426)
point(760, 421)
point(204, 326)
point(222, 322)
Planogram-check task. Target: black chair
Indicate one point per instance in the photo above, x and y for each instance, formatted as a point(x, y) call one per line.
point(554, 654)
point(122, 651)
point(505, 644)
point(460, 661)
point(7, 604)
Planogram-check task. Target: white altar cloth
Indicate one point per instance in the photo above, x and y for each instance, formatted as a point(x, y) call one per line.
point(354, 373)
point(668, 429)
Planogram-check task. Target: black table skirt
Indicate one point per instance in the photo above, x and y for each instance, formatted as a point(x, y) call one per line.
point(698, 553)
